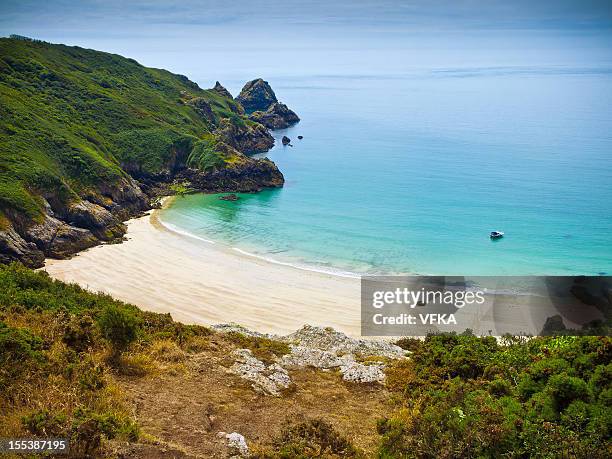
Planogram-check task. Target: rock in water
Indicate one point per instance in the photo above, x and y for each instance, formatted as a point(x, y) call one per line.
point(300, 137)
point(256, 95)
point(286, 140)
point(278, 116)
point(229, 197)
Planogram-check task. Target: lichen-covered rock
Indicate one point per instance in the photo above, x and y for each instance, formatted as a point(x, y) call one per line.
point(256, 95)
point(268, 379)
point(302, 356)
point(237, 444)
point(360, 373)
point(277, 116)
point(339, 343)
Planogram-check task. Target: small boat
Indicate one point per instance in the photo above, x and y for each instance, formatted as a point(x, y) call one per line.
point(496, 234)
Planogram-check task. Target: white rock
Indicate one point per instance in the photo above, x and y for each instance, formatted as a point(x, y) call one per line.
point(358, 372)
point(267, 379)
point(237, 444)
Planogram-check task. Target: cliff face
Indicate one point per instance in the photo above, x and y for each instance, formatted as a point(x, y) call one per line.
point(88, 138)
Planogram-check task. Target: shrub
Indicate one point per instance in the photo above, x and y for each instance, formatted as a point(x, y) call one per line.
point(119, 326)
point(312, 438)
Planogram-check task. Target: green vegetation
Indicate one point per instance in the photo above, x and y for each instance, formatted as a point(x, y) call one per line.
point(72, 119)
point(264, 349)
point(464, 396)
point(56, 341)
point(312, 438)
point(64, 353)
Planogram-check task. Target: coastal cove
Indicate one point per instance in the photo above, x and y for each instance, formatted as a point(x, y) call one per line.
point(205, 283)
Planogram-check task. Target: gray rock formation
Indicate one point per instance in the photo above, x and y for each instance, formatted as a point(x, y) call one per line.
point(256, 95)
point(267, 379)
point(220, 89)
point(277, 116)
point(245, 138)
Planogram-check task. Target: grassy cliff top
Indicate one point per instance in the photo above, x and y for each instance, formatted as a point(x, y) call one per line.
point(73, 118)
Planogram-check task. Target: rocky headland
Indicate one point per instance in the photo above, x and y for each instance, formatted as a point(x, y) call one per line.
point(74, 185)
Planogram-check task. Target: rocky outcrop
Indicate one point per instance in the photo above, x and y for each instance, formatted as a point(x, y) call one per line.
point(252, 175)
point(13, 247)
point(277, 116)
point(58, 239)
point(256, 95)
point(357, 360)
point(246, 138)
point(65, 229)
point(286, 140)
point(102, 223)
point(267, 379)
point(219, 89)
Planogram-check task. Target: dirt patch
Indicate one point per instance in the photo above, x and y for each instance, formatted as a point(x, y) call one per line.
point(184, 412)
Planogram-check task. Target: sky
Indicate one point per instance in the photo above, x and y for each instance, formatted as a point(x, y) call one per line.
point(213, 39)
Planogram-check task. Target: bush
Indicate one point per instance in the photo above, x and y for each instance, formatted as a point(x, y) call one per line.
point(312, 438)
point(119, 326)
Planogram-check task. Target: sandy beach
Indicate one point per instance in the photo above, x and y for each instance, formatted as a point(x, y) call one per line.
point(206, 283)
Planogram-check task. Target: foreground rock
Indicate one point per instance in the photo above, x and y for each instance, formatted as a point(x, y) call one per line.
point(314, 347)
point(277, 116)
point(256, 95)
point(236, 444)
point(286, 140)
point(267, 379)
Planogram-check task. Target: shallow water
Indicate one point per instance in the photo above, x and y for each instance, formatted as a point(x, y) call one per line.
point(410, 172)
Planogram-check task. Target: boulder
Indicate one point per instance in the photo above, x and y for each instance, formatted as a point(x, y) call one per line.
point(256, 95)
point(286, 140)
point(237, 444)
point(300, 137)
point(278, 116)
point(229, 197)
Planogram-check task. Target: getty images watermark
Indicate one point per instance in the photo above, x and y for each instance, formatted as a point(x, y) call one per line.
point(534, 305)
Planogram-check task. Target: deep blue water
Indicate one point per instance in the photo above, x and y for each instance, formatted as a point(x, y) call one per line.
point(410, 172)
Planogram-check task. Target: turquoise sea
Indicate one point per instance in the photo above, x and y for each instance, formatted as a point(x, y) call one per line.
point(409, 172)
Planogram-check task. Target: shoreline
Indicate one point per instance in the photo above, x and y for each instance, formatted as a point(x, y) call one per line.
point(199, 281)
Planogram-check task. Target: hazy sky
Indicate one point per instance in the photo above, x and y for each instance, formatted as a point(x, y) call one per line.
point(235, 39)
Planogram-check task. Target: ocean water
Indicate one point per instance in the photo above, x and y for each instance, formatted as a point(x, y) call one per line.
point(409, 172)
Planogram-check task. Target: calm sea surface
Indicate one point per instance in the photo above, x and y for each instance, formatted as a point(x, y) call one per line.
point(409, 173)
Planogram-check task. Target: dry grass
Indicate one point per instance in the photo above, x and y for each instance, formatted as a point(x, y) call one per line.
point(187, 410)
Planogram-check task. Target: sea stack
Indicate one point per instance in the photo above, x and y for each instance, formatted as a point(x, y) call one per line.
point(259, 101)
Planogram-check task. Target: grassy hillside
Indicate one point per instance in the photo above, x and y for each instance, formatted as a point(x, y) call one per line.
point(120, 382)
point(72, 119)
